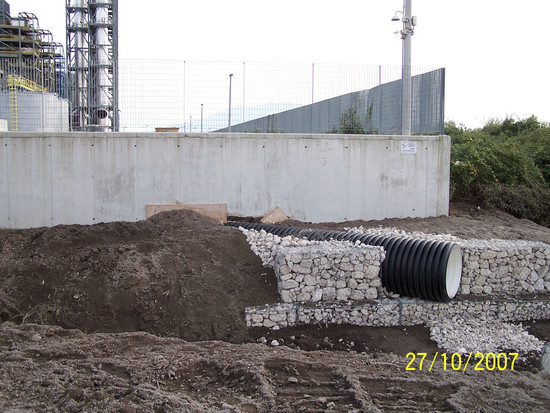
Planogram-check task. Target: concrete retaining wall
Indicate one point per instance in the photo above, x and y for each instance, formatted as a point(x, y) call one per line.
point(64, 178)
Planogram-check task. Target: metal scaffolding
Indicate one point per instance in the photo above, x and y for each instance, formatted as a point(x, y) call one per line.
point(29, 59)
point(92, 65)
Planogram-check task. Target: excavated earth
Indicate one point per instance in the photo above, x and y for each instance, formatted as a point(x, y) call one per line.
point(148, 316)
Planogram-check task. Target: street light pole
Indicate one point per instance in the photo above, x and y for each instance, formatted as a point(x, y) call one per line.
point(230, 78)
point(409, 21)
point(406, 69)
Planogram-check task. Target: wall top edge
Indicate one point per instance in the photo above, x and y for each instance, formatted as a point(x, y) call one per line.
point(164, 135)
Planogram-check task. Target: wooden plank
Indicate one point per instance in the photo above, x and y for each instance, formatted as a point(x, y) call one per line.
point(274, 216)
point(216, 211)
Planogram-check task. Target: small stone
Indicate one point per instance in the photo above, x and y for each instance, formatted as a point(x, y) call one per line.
point(352, 283)
point(278, 317)
point(329, 293)
point(274, 343)
point(286, 296)
point(371, 293)
point(357, 295)
point(341, 284)
point(376, 282)
point(488, 255)
point(476, 290)
point(343, 294)
point(289, 284)
point(292, 380)
point(299, 269)
point(257, 318)
point(346, 266)
point(539, 285)
point(284, 269)
point(316, 296)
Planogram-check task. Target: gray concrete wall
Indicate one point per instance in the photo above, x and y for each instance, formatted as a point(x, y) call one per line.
point(63, 178)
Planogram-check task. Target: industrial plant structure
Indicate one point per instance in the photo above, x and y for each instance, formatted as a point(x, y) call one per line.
point(32, 75)
point(92, 63)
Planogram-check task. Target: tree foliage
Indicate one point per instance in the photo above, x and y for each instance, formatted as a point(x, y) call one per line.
point(506, 164)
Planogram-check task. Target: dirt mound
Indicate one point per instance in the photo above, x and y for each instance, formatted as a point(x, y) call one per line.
point(47, 368)
point(176, 274)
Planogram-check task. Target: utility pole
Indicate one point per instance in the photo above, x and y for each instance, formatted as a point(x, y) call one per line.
point(409, 21)
point(230, 78)
point(406, 69)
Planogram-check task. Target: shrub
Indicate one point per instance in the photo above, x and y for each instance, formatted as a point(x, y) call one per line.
point(350, 122)
point(520, 201)
point(505, 164)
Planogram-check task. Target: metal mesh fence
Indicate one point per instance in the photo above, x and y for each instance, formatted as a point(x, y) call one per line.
point(192, 96)
point(373, 111)
point(195, 96)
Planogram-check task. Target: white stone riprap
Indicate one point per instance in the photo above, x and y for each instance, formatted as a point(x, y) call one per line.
point(335, 282)
point(470, 335)
point(505, 268)
point(265, 244)
point(395, 312)
point(492, 267)
point(458, 326)
point(328, 272)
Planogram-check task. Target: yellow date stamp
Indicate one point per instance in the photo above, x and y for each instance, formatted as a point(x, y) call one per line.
point(460, 362)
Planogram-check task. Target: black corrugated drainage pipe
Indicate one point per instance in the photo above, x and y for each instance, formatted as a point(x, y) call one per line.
point(413, 267)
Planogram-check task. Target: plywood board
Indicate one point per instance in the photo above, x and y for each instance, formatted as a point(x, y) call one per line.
point(216, 211)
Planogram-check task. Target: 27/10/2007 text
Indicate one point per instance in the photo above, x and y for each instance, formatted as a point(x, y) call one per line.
point(459, 362)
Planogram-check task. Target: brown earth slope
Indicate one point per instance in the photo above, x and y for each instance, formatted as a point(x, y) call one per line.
point(176, 274)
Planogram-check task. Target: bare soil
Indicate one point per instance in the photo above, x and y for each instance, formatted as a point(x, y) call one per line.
point(148, 316)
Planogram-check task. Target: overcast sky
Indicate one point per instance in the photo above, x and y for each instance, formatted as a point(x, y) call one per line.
point(495, 51)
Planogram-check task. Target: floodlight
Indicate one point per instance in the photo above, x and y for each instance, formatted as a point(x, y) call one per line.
point(396, 17)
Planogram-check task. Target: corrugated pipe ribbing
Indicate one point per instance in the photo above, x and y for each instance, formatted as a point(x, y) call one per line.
point(413, 267)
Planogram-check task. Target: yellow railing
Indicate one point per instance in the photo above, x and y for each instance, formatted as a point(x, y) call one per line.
point(25, 83)
point(15, 82)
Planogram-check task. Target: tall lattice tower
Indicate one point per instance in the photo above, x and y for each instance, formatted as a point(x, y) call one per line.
point(92, 65)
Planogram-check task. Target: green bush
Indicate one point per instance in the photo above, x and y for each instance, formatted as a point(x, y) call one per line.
point(520, 201)
point(350, 122)
point(505, 164)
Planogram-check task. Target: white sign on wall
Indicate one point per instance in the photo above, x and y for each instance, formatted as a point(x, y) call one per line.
point(408, 147)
